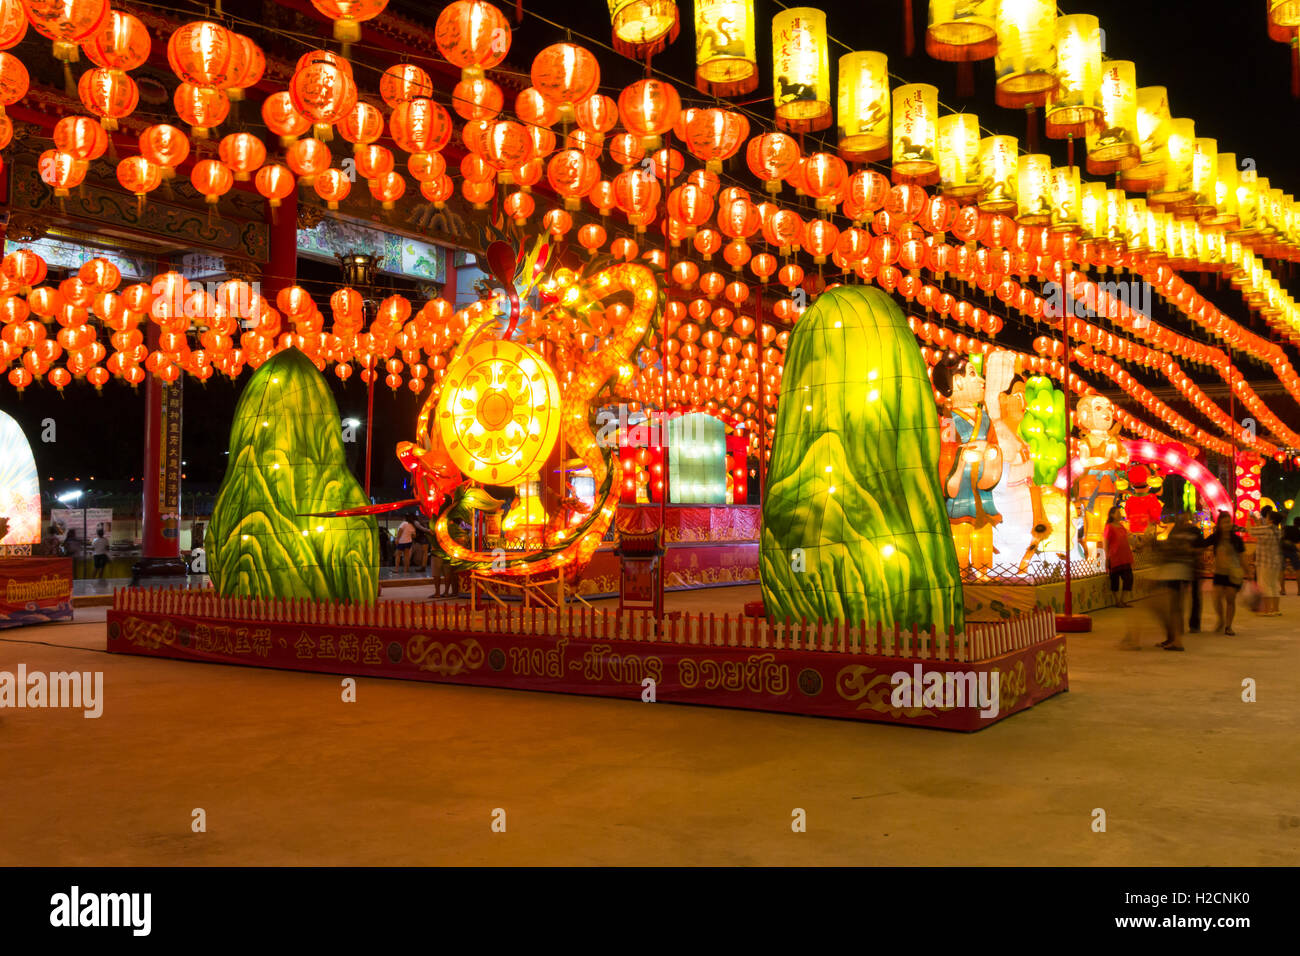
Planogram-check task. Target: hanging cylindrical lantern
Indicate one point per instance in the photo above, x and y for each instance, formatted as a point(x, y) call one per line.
point(1135, 224)
point(1076, 105)
point(726, 57)
point(801, 71)
point(1153, 119)
point(109, 94)
point(1066, 195)
point(1093, 210)
point(916, 132)
point(1113, 144)
point(643, 27)
point(1205, 173)
point(1180, 161)
point(864, 131)
point(1225, 193)
point(962, 31)
point(959, 155)
point(565, 74)
point(715, 135)
point(1025, 63)
point(472, 35)
point(999, 174)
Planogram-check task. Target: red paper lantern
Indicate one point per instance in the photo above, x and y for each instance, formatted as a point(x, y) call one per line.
point(283, 118)
point(14, 79)
point(472, 35)
point(402, 82)
point(323, 90)
point(770, 157)
point(597, 113)
point(61, 171)
point(388, 188)
point(69, 23)
point(275, 183)
point(243, 153)
point(308, 158)
point(109, 94)
point(572, 174)
point(715, 135)
point(199, 53)
point(212, 179)
point(649, 108)
point(373, 161)
point(565, 74)
point(202, 107)
point(420, 126)
point(348, 15)
point(121, 43)
point(164, 146)
point(13, 23)
point(477, 99)
point(362, 125)
point(81, 137)
point(534, 109)
point(438, 191)
point(333, 186)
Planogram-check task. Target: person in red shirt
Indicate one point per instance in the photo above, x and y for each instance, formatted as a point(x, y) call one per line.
point(1119, 556)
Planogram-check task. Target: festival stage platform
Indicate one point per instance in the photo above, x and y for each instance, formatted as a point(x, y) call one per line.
point(721, 660)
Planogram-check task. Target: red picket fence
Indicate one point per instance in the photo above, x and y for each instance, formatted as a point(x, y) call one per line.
point(979, 642)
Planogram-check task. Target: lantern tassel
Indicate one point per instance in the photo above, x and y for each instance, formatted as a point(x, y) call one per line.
point(1295, 66)
point(909, 29)
point(69, 84)
point(965, 79)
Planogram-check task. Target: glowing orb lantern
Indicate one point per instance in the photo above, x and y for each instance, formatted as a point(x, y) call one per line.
point(322, 89)
point(864, 107)
point(643, 27)
point(166, 146)
point(1026, 57)
point(109, 94)
point(472, 35)
point(726, 59)
point(402, 82)
point(770, 157)
point(69, 23)
point(122, 43)
point(199, 53)
point(348, 15)
point(499, 412)
point(801, 71)
point(13, 23)
point(714, 135)
point(649, 108)
point(565, 74)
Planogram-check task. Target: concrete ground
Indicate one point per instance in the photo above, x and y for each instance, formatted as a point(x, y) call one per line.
point(286, 773)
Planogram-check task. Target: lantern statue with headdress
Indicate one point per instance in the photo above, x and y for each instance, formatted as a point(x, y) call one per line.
point(1101, 455)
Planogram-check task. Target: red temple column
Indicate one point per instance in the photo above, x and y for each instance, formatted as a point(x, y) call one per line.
point(160, 534)
point(281, 269)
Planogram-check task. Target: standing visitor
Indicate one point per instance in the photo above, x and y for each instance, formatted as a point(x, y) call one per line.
point(99, 548)
point(1119, 557)
point(1290, 553)
point(1268, 561)
point(402, 541)
point(1175, 570)
point(1228, 571)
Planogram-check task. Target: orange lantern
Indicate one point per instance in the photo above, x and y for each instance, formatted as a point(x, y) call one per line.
point(425, 167)
point(591, 237)
point(6, 130)
point(164, 146)
point(477, 99)
point(348, 15)
point(478, 193)
point(138, 175)
point(472, 35)
point(333, 186)
point(24, 267)
point(14, 79)
point(61, 171)
point(597, 114)
point(275, 183)
point(202, 107)
point(13, 23)
point(557, 222)
point(247, 65)
point(519, 206)
point(109, 94)
point(81, 137)
point(690, 205)
point(388, 188)
point(323, 90)
point(824, 175)
point(572, 174)
point(420, 125)
point(243, 153)
point(534, 109)
point(213, 179)
point(438, 190)
point(770, 157)
point(649, 108)
point(714, 135)
point(565, 74)
point(402, 82)
point(283, 118)
point(362, 125)
point(199, 53)
point(636, 191)
point(121, 43)
point(508, 145)
point(308, 158)
point(373, 161)
point(69, 23)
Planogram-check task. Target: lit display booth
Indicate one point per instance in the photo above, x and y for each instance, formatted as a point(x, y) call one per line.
point(711, 528)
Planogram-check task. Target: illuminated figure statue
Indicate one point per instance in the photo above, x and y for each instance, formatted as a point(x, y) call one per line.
point(1101, 457)
point(1142, 505)
point(970, 462)
point(1019, 501)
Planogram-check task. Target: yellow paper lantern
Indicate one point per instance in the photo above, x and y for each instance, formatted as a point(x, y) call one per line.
point(1114, 145)
point(1225, 193)
point(1067, 209)
point(1135, 225)
point(959, 155)
point(962, 31)
point(1205, 173)
point(998, 175)
point(1076, 105)
point(1180, 160)
point(1247, 204)
point(499, 412)
point(1034, 189)
point(1153, 119)
point(1093, 210)
point(643, 27)
point(1117, 216)
point(916, 134)
point(726, 58)
point(801, 71)
point(1026, 59)
point(864, 107)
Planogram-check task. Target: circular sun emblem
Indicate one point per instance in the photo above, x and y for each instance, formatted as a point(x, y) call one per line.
point(499, 412)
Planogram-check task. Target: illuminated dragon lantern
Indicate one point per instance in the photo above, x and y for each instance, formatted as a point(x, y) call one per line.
point(501, 408)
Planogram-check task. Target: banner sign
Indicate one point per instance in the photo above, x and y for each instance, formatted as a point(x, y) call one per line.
point(818, 683)
point(169, 463)
point(35, 591)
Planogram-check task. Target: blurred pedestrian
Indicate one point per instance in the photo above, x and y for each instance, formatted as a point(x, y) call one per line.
point(99, 548)
point(1268, 561)
point(1119, 557)
point(402, 542)
point(1290, 553)
point(1228, 571)
point(1174, 572)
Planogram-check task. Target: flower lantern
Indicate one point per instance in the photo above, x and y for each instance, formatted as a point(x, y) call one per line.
point(998, 163)
point(1180, 161)
point(472, 35)
point(565, 74)
point(1076, 105)
point(572, 174)
point(202, 107)
point(1026, 56)
point(726, 59)
point(801, 71)
point(1113, 144)
point(69, 23)
point(643, 28)
point(916, 115)
point(243, 153)
point(959, 149)
point(283, 118)
point(275, 183)
point(348, 15)
point(121, 43)
point(864, 107)
point(402, 82)
point(649, 108)
point(109, 94)
point(715, 135)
